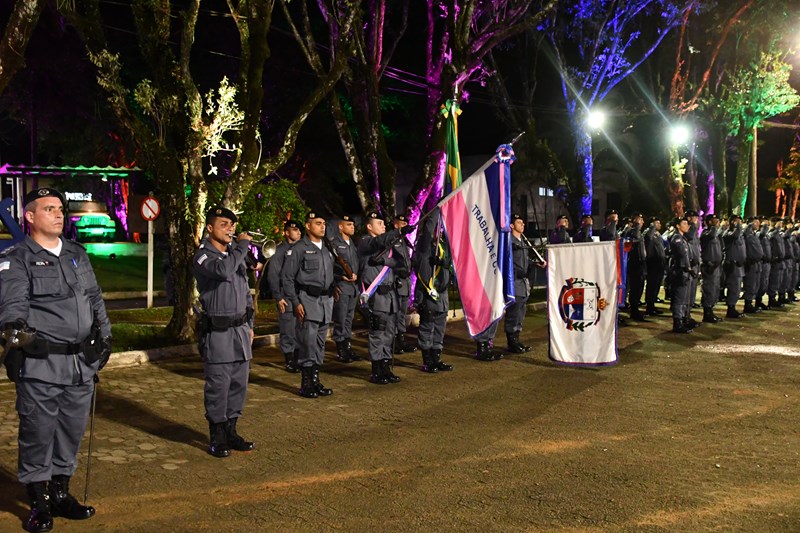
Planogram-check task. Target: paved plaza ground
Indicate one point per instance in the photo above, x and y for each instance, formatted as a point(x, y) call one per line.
point(687, 433)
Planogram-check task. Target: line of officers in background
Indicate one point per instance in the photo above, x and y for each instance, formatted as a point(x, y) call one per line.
point(734, 259)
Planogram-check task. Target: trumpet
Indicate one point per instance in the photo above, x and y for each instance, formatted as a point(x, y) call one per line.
point(266, 245)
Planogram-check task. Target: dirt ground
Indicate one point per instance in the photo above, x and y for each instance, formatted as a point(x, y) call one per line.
point(687, 433)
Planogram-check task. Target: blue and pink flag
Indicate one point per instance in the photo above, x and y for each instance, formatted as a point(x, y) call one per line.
point(477, 220)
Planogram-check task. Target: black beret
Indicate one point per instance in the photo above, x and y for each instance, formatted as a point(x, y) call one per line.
point(610, 212)
point(43, 192)
point(709, 217)
point(289, 224)
point(311, 215)
point(346, 218)
point(776, 219)
point(763, 218)
point(636, 215)
point(401, 218)
point(692, 214)
point(678, 220)
point(752, 219)
point(787, 220)
point(734, 216)
point(561, 217)
point(223, 212)
point(373, 214)
point(586, 215)
point(515, 217)
point(654, 219)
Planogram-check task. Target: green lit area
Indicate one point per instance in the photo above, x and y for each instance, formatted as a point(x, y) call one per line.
point(119, 249)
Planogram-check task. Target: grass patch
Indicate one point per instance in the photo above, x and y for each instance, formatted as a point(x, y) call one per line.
point(126, 272)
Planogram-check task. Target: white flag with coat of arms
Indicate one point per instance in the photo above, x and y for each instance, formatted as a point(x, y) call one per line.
point(582, 282)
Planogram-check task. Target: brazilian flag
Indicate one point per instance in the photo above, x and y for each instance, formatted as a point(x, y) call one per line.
point(452, 180)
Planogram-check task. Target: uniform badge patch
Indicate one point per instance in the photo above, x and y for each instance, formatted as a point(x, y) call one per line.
point(288, 252)
point(5, 265)
point(202, 259)
point(311, 251)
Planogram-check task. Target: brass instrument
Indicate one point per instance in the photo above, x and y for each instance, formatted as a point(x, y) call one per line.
point(264, 243)
point(529, 246)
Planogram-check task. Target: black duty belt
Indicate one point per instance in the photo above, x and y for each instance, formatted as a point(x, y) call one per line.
point(221, 322)
point(56, 348)
point(384, 289)
point(316, 292)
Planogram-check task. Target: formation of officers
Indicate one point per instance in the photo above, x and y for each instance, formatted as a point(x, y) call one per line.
point(755, 260)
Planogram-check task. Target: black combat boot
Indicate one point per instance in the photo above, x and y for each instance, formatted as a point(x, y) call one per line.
point(401, 346)
point(679, 326)
point(733, 313)
point(485, 353)
point(637, 315)
point(761, 305)
point(291, 362)
point(514, 345)
point(750, 308)
point(652, 310)
point(377, 376)
point(690, 322)
point(792, 298)
point(428, 364)
point(321, 389)
point(709, 316)
point(342, 354)
point(386, 370)
point(218, 442)
point(308, 388)
point(774, 303)
point(41, 517)
point(782, 299)
point(236, 441)
point(64, 504)
point(350, 353)
point(436, 357)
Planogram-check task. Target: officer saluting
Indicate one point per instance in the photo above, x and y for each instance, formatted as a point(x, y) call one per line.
point(681, 271)
point(402, 284)
point(47, 285)
point(308, 284)
point(286, 320)
point(225, 328)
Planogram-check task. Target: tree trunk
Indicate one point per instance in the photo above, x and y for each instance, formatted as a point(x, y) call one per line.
point(583, 155)
point(743, 150)
point(675, 184)
point(15, 40)
point(717, 148)
point(691, 197)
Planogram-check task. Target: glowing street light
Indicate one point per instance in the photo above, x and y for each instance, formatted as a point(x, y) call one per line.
point(679, 134)
point(596, 119)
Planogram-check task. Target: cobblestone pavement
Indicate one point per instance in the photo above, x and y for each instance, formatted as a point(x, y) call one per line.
point(686, 433)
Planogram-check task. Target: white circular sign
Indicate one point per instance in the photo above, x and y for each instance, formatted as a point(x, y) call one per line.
point(150, 208)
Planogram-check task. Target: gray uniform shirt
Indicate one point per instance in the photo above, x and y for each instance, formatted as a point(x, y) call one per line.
point(307, 266)
point(349, 253)
point(224, 292)
point(370, 246)
point(710, 248)
point(274, 270)
point(60, 298)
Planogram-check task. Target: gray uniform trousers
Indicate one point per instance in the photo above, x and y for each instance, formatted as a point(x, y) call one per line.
point(752, 280)
point(343, 311)
point(763, 284)
point(431, 329)
point(225, 389)
point(776, 278)
point(382, 329)
point(488, 335)
point(733, 283)
point(287, 327)
point(402, 306)
point(311, 336)
point(788, 275)
point(710, 286)
point(680, 297)
point(52, 421)
point(693, 291)
point(515, 314)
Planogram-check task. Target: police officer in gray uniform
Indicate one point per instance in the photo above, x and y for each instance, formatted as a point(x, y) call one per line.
point(225, 328)
point(515, 313)
point(309, 286)
point(711, 264)
point(778, 265)
point(637, 265)
point(432, 262)
point(656, 258)
point(402, 284)
point(735, 255)
point(379, 267)
point(692, 237)
point(286, 319)
point(344, 305)
point(787, 289)
point(752, 264)
point(766, 262)
point(48, 291)
point(584, 234)
point(681, 272)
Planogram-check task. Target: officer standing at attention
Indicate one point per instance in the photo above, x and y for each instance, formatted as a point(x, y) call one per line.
point(733, 265)
point(656, 258)
point(637, 266)
point(344, 306)
point(432, 262)
point(752, 264)
point(225, 328)
point(515, 313)
point(308, 283)
point(286, 320)
point(48, 293)
point(584, 234)
point(710, 265)
point(379, 266)
point(692, 237)
point(403, 285)
point(681, 272)
point(766, 262)
point(789, 259)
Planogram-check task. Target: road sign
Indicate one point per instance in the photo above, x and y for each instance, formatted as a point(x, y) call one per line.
point(150, 209)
